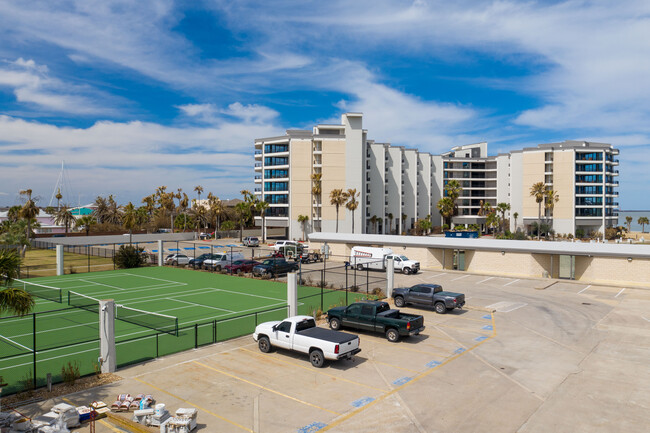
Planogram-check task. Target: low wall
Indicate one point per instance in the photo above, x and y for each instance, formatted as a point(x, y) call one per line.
point(597, 270)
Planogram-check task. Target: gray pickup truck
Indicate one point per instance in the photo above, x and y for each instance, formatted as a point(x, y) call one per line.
point(428, 295)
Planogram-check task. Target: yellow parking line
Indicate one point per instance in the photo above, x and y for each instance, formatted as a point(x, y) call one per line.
point(421, 376)
point(196, 406)
point(313, 370)
point(265, 388)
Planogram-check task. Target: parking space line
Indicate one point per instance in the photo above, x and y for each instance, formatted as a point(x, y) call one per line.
point(265, 388)
point(622, 290)
point(487, 279)
point(439, 275)
point(417, 378)
point(460, 278)
point(195, 405)
point(511, 282)
point(584, 289)
point(312, 370)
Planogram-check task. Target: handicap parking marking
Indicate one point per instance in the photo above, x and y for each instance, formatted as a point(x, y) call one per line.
point(481, 338)
point(362, 401)
point(402, 380)
point(460, 350)
point(506, 307)
point(432, 364)
point(313, 427)
point(488, 328)
point(487, 316)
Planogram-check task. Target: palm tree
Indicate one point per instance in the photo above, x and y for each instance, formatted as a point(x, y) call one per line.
point(216, 210)
point(628, 222)
point(515, 216)
point(13, 214)
point(149, 204)
point(101, 209)
point(261, 207)
point(492, 220)
point(337, 198)
point(200, 214)
point(643, 221)
point(113, 213)
point(352, 203)
point(404, 216)
point(538, 190)
point(199, 190)
point(502, 208)
point(390, 223)
point(86, 222)
point(453, 190)
point(129, 219)
point(12, 300)
point(302, 219)
point(64, 217)
point(373, 221)
point(446, 208)
point(58, 197)
point(551, 198)
point(242, 208)
point(29, 211)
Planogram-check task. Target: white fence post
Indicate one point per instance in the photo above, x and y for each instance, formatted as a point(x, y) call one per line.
point(390, 277)
point(107, 336)
point(59, 259)
point(292, 294)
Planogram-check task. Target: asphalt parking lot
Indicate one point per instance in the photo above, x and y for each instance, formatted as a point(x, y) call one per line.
point(525, 356)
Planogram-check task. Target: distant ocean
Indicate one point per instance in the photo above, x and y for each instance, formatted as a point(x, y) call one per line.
point(635, 214)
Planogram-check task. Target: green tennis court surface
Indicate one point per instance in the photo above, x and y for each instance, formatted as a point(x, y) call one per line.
point(207, 308)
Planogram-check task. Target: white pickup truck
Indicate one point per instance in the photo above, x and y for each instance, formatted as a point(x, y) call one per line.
point(300, 333)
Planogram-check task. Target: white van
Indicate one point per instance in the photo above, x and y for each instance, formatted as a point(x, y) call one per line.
point(219, 260)
point(375, 258)
point(280, 244)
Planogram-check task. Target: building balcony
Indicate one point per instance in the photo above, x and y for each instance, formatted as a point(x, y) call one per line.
point(256, 190)
point(258, 177)
point(613, 183)
point(258, 151)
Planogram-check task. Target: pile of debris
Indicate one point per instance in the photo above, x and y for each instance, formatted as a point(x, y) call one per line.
point(61, 418)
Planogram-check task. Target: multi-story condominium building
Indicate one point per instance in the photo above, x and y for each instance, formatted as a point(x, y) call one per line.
point(397, 186)
point(582, 174)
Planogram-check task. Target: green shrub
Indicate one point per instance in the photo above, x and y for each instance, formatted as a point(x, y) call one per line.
point(129, 256)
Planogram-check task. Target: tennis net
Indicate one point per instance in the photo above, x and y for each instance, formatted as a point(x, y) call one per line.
point(40, 290)
point(157, 321)
point(82, 301)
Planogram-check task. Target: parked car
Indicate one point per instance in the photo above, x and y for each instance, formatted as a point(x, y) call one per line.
point(251, 241)
point(376, 316)
point(275, 266)
point(428, 295)
point(198, 261)
point(241, 266)
point(177, 259)
point(300, 334)
point(284, 243)
point(205, 236)
point(220, 260)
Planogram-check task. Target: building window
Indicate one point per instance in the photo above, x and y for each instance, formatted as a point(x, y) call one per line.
point(276, 148)
point(276, 160)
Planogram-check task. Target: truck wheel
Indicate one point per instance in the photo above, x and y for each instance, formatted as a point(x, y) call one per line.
point(399, 301)
point(316, 358)
point(217, 268)
point(441, 308)
point(406, 271)
point(335, 324)
point(392, 335)
point(174, 263)
point(264, 344)
point(359, 267)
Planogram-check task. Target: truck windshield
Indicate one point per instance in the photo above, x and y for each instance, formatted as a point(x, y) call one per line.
point(404, 258)
point(305, 324)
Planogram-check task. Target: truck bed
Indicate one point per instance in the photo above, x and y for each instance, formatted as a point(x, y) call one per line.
point(416, 320)
point(336, 337)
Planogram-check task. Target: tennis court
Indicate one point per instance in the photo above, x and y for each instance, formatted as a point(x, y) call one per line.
point(160, 310)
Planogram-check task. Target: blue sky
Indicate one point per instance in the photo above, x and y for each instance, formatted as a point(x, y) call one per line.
point(135, 95)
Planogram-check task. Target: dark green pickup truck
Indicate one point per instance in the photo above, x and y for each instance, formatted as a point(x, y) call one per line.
point(376, 316)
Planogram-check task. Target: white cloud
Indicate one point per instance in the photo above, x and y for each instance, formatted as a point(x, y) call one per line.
point(129, 159)
point(32, 84)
